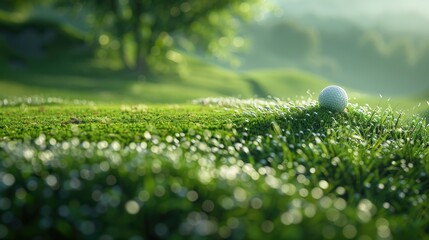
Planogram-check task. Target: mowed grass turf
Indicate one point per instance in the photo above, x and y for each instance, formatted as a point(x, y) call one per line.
point(219, 168)
point(102, 81)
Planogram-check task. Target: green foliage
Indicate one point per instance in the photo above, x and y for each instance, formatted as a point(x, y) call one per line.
point(152, 28)
point(141, 33)
point(221, 168)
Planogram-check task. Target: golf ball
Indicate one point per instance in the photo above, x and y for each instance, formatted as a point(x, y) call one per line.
point(333, 98)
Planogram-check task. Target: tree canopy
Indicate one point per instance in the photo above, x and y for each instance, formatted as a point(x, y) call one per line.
point(145, 34)
point(144, 31)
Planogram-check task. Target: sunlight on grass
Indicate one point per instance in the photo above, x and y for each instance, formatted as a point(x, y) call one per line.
point(212, 169)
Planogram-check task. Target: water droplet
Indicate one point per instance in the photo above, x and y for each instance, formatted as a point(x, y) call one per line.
point(51, 180)
point(267, 226)
point(323, 184)
point(192, 196)
point(8, 179)
point(87, 227)
point(132, 207)
point(349, 231)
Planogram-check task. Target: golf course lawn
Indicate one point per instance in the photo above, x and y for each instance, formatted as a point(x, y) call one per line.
point(214, 168)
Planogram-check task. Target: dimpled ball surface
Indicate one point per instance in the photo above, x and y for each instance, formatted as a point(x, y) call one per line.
point(333, 98)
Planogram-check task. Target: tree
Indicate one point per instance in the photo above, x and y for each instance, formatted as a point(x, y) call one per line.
point(154, 26)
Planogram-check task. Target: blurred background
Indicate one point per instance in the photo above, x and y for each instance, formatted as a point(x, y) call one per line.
point(167, 51)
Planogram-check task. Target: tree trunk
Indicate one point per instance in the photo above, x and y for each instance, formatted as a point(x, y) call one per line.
point(121, 34)
point(123, 55)
point(141, 64)
point(144, 67)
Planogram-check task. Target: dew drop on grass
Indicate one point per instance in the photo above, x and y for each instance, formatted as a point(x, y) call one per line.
point(75, 183)
point(340, 204)
point(96, 195)
point(159, 191)
point(192, 196)
point(323, 184)
point(256, 203)
point(75, 141)
point(87, 227)
point(325, 202)
point(115, 146)
point(102, 145)
point(301, 168)
point(303, 192)
point(8, 179)
point(208, 206)
point(316, 193)
point(293, 216)
point(111, 180)
point(267, 226)
point(328, 232)
point(383, 229)
point(132, 207)
point(349, 231)
point(51, 180)
point(40, 140)
point(227, 203)
point(240, 194)
point(28, 153)
point(144, 196)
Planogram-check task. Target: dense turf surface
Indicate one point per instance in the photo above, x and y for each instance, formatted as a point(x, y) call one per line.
point(217, 168)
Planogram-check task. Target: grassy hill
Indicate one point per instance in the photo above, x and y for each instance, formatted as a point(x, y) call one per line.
point(219, 168)
point(364, 58)
point(103, 81)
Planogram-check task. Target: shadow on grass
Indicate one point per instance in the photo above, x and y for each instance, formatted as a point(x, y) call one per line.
point(105, 80)
point(69, 75)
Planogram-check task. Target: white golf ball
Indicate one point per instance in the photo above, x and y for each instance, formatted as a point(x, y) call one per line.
point(333, 98)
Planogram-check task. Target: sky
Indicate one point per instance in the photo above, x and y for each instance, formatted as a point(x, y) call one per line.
point(357, 7)
point(394, 14)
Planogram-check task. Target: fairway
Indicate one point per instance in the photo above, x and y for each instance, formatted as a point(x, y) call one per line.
point(216, 168)
point(98, 81)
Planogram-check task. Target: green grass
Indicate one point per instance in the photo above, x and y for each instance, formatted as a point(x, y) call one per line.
point(102, 81)
point(219, 168)
point(288, 83)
